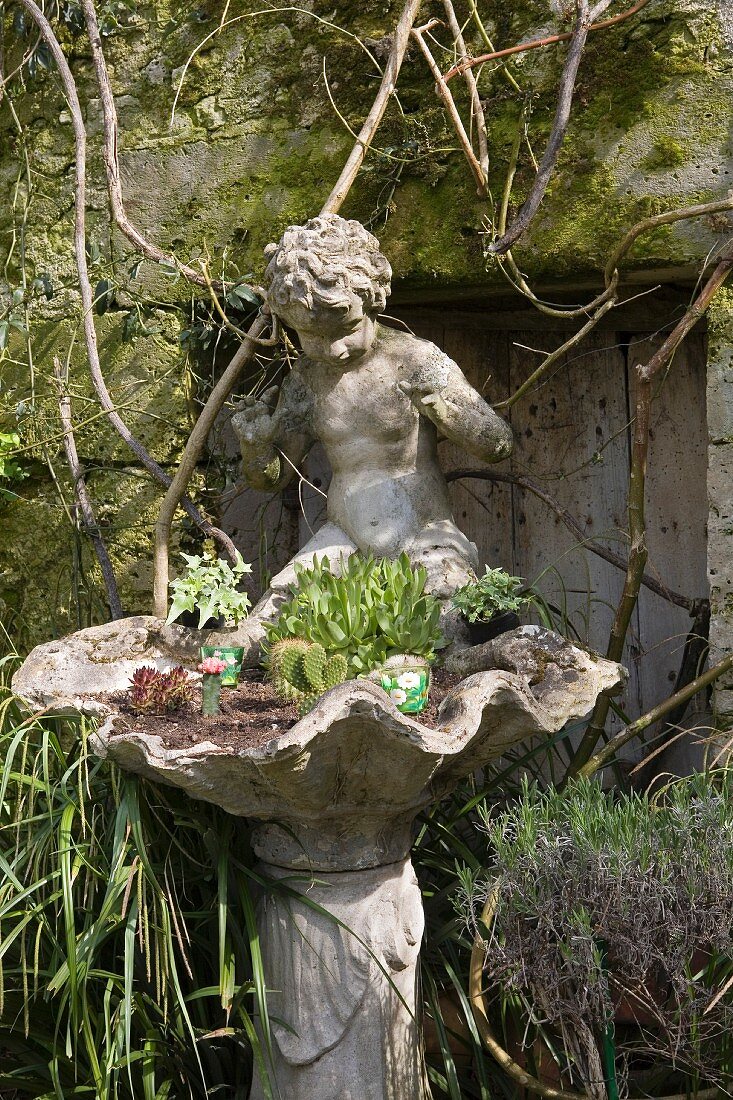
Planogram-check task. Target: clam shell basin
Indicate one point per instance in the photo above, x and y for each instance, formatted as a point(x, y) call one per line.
point(349, 776)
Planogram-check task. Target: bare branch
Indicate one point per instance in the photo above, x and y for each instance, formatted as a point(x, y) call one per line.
point(245, 353)
point(87, 299)
point(557, 134)
point(478, 1006)
point(537, 43)
point(366, 135)
point(270, 342)
point(551, 359)
point(635, 729)
point(637, 480)
point(189, 459)
point(697, 310)
point(445, 94)
point(647, 224)
point(573, 525)
point(477, 110)
point(90, 526)
point(111, 162)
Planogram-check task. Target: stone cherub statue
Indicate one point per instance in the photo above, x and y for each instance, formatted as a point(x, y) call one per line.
point(376, 398)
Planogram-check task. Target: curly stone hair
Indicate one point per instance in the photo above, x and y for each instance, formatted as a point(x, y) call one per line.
point(321, 261)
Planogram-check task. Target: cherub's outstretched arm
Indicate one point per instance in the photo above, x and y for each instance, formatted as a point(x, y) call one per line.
point(439, 390)
point(268, 428)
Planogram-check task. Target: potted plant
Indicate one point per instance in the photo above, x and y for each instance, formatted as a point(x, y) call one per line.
point(207, 595)
point(375, 614)
point(212, 671)
point(489, 605)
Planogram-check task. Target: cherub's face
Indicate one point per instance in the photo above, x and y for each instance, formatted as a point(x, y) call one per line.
point(334, 335)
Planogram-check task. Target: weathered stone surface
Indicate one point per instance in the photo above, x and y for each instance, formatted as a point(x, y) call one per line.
point(336, 795)
point(354, 768)
point(69, 673)
point(720, 493)
point(376, 399)
point(343, 1000)
point(254, 145)
point(563, 678)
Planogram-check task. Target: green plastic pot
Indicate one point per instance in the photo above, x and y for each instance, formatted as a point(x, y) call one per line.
point(407, 682)
point(233, 655)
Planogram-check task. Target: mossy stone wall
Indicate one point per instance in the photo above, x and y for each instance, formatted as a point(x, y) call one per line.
point(255, 142)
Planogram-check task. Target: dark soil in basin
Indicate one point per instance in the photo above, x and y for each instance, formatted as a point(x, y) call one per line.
point(251, 715)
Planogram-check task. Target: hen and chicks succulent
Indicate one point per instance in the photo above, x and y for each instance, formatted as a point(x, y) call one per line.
point(154, 692)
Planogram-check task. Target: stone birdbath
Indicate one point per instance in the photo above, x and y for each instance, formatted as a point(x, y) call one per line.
point(336, 796)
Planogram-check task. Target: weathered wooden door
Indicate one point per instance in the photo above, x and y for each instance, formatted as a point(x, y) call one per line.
point(572, 438)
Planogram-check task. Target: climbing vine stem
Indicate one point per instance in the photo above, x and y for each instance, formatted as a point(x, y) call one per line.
point(645, 374)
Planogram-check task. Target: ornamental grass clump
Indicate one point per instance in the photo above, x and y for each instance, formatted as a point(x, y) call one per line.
point(601, 906)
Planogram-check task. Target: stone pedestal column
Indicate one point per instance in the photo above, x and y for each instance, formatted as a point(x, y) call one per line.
point(341, 965)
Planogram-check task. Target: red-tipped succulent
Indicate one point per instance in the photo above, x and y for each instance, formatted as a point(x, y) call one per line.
point(154, 692)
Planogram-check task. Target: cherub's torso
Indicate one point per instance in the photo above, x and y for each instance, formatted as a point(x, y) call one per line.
point(386, 480)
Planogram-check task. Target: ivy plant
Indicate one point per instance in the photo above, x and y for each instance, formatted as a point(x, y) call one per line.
point(10, 470)
point(495, 593)
point(209, 586)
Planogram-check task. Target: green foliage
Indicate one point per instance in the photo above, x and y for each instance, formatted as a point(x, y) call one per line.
point(448, 845)
point(374, 610)
point(154, 692)
point(492, 594)
point(209, 585)
point(10, 471)
point(130, 960)
point(301, 671)
point(206, 330)
point(604, 897)
point(13, 319)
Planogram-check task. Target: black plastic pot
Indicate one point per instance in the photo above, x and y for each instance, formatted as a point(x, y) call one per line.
point(483, 630)
point(190, 619)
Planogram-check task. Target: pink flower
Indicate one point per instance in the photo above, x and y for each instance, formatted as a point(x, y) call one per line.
point(212, 666)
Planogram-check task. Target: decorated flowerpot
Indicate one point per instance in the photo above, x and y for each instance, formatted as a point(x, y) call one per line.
point(407, 682)
point(233, 655)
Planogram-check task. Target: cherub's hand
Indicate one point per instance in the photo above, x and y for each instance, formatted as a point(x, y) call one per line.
point(252, 420)
point(426, 399)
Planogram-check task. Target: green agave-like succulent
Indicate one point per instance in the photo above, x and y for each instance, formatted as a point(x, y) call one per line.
point(373, 610)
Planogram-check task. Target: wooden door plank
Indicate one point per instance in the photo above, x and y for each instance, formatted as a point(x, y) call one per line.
point(572, 438)
point(675, 511)
point(483, 509)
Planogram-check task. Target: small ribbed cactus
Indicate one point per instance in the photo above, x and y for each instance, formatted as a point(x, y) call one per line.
point(301, 671)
